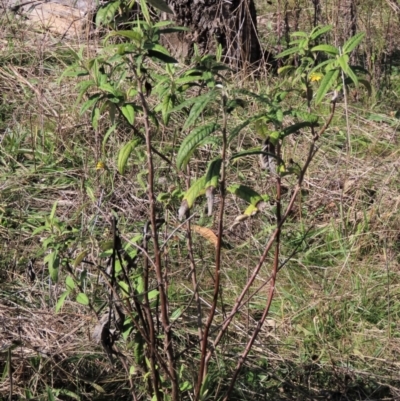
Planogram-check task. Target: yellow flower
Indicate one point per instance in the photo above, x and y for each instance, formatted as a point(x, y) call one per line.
point(315, 76)
point(100, 165)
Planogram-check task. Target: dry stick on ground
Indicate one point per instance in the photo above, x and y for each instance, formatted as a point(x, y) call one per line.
point(168, 344)
point(40, 96)
point(239, 301)
point(203, 359)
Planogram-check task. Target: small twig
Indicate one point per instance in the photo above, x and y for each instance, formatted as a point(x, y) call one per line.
point(204, 343)
point(271, 240)
point(176, 229)
point(346, 110)
point(10, 373)
point(193, 271)
point(168, 345)
point(275, 269)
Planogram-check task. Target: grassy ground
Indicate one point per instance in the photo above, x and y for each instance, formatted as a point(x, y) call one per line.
point(333, 331)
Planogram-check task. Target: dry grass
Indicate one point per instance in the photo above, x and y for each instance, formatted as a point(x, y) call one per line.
point(333, 330)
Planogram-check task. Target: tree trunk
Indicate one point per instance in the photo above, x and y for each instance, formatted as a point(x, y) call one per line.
point(346, 25)
point(317, 12)
point(232, 23)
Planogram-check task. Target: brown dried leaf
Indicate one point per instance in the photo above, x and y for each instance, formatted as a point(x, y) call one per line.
point(206, 233)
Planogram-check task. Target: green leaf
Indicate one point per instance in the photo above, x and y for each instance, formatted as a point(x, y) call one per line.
point(299, 34)
point(327, 49)
point(74, 72)
point(108, 88)
point(380, 118)
point(350, 73)
point(176, 314)
point(327, 82)
point(136, 36)
point(70, 284)
point(111, 111)
point(274, 137)
point(78, 260)
point(125, 287)
point(185, 386)
point(194, 191)
point(129, 113)
point(139, 285)
point(53, 210)
point(288, 52)
point(261, 124)
point(318, 31)
point(160, 5)
point(84, 86)
point(327, 64)
point(50, 395)
point(106, 14)
point(70, 394)
point(162, 56)
point(280, 96)
point(53, 261)
point(279, 116)
point(198, 107)
point(166, 107)
point(303, 115)
point(212, 175)
point(153, 294)
point(174, 29)
point(353, 42)
point(161, 24)
point(106, 136)
point(82, 299)
point(234, 103)
point(192, 141)
point(138, 349)
point(250, 211)
point(94, 385)
point(367, 85)
point(236, 131)
point(191, 101)
point(89, 103)
point(343, 61)
point(285, 70)
point(359, 69)
point(252, 152)
point(262, 99)
point(61, 300)
point(124, 154)
point(302, 45)
point(246, 193)
point(94, 67)
point(186, 80)
point(145, 11)
point(95, 117)
point(295, 127)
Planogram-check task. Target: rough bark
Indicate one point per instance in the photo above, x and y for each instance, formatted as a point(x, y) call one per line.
point(346, 25)
point(232, 23)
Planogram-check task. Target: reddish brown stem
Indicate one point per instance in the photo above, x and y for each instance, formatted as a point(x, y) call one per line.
point(275, 268)
point(204, 343)
point(168, 347)
point(239, 301)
